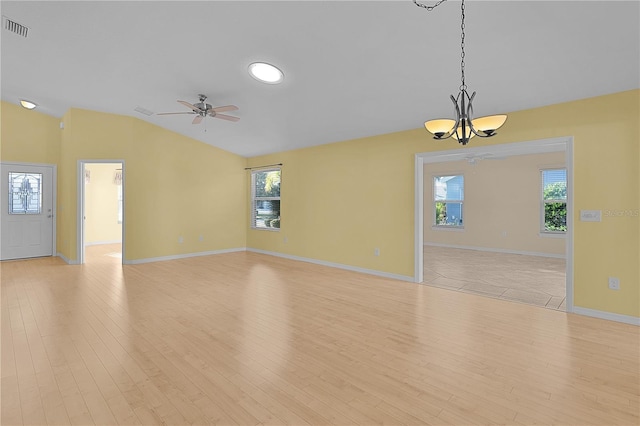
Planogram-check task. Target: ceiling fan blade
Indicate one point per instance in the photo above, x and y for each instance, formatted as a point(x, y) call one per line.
point(197, 119)
point(172, 113)
point(188, 105)
point(225, 108)
point(226, 117)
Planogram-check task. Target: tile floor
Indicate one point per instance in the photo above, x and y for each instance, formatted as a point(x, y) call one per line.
point(533, 280)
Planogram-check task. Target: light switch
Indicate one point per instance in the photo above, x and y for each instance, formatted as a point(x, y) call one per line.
point(591, 215)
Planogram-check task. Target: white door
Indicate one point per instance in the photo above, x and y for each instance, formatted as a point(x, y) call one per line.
point(27, 211)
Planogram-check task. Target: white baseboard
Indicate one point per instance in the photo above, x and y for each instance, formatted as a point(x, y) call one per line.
point(336, 265)
point(610, 316)
point(498, 250)
point(182, 256)
point(99, 243)
point(70, 262)
point(627, 319)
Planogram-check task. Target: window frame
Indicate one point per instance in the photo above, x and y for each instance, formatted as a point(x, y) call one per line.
point(542, 228)
point(26, 178)
point(434, 224)
point(254, 199)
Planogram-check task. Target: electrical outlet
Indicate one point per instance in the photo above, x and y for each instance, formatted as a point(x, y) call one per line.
point(201, 238)
point(180, 239)
point(614, 283)
point(286, 240)
point(376, 251)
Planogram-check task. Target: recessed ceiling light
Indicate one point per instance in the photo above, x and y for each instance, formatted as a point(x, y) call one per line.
point(266, 73)
point(27, 104)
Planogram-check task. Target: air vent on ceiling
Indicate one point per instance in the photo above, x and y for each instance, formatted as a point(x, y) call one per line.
point(14, 27)
point(143, 111)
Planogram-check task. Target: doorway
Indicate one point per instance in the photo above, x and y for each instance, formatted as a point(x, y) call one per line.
point(101, 210)
point(497, 151)
point(28, 207)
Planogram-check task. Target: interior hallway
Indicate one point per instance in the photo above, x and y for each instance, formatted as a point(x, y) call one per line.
point(103, 253)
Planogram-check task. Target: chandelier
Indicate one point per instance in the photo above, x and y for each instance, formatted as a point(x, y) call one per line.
point(464, 127)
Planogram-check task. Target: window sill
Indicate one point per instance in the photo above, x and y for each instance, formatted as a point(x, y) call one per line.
point(266, 229)
point(447, 228)
point(552, 234)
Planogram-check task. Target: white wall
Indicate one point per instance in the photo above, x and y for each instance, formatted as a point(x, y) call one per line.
point(501, 204)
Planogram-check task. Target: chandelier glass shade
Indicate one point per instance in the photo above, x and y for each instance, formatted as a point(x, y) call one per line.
point(463, 127)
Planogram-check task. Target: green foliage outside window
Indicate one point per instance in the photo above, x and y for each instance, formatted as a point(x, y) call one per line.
point(267, 184)
point(555, 212)
point(441, 213)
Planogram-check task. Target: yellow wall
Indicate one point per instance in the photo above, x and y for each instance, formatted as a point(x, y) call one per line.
point(101, 204)
point(28, 136)
point(502, 205)
point(340, 201)
point(174, 186)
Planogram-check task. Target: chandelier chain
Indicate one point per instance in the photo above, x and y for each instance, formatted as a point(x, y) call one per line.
point(464, 126)
point(463, 86)
point(429, 8)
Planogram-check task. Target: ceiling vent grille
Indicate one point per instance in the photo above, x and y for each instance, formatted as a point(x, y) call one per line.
point(143, 111)
point(15, 28)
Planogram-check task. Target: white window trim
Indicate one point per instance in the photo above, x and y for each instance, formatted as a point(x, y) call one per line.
point(253, 198)
point(542, 231)
point(435, 226)
point(454, 228)
point(552, 234)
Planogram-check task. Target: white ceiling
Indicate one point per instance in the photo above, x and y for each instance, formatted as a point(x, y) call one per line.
point(352, 68)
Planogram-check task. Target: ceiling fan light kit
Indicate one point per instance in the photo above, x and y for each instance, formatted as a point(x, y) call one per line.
point(464, 126)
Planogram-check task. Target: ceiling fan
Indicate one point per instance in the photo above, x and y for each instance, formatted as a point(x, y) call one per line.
point(474, 159)
point(203, 109)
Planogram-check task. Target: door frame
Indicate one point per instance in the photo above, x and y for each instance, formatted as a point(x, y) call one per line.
point(54, 196)
point(80, 206)
point(562, 144)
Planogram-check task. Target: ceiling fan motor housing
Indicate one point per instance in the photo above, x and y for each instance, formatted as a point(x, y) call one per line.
point(203, 107)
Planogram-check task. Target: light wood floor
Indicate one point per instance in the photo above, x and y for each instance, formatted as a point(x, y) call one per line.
point(244, 338)
point(533, 280)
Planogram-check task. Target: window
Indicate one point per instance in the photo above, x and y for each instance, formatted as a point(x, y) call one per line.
point(25, 193)
point(265, 199)
point(554, 201)
point(448, 197)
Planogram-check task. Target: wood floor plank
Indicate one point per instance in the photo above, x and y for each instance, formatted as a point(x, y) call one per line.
point(11, 408)
point(249, 339)
point(70, 393)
